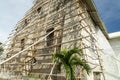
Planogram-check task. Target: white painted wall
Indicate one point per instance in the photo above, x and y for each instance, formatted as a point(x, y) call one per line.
point(108, 54)
point(115, 43)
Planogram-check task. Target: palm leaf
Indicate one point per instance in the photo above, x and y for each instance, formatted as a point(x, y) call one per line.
point(64, 52)
point(76, 61)
point(68, 72)
point(73, 51)
point(59, 64)
point(70, 59)
point(58, 56)
point(72, 73)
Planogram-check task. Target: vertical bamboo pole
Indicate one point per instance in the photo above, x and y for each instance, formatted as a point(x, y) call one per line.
point(99, 56)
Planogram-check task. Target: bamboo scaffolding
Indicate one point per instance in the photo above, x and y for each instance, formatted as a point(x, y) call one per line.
point(99, 56)
point(41, 38)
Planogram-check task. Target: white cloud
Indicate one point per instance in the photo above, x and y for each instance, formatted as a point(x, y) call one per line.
point(11, 12)
point(3, 37)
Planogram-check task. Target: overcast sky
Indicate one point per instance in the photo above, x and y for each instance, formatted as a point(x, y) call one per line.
point(11, 11)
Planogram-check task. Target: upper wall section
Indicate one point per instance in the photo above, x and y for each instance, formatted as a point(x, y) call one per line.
point(115, 42)
point(95, 16)
point(91, 8)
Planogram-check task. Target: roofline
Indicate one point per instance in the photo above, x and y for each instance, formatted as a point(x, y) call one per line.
point(95, 16)
point(114, 35)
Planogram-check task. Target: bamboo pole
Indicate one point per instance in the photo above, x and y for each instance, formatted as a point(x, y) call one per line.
point(99, 57)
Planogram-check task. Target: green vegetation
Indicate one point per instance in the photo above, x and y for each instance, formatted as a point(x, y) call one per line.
point(33, 76)
point(69, 60)
point(1, 48)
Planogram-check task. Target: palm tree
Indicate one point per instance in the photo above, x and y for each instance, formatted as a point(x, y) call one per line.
point(69, 59)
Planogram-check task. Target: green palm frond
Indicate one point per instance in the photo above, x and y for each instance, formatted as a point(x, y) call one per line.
point(83, 63)
point(58, 56)
point(68, 72)
point(69, 59)
point(73, 59)
point(59, 65)
point(72, 52)
point(75, 50)
point(64, 52)
point(72, 73)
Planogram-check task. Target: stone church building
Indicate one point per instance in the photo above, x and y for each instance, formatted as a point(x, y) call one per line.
point(53, 25)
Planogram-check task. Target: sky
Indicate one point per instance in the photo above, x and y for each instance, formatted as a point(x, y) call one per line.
point(109, 11)
point(12, 11)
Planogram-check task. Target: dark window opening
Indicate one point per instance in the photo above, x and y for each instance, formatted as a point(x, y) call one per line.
point(39, 10)
point(61, 3)
point(22, 44)
point(50, 37)
point(97, 75)
point(26, 22)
